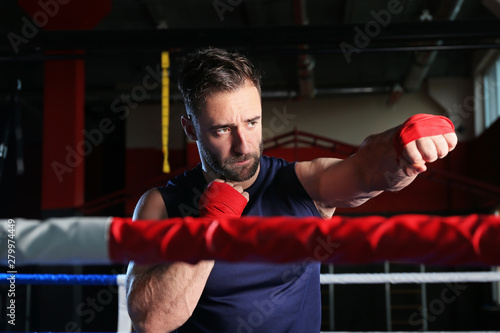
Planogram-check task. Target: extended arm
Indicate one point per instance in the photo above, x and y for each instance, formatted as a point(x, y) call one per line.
point(375, 168)
point(161, 298)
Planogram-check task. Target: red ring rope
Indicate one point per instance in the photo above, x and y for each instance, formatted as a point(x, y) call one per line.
point(456, 240)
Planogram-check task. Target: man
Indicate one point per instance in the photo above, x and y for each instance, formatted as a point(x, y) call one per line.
point(221, 91)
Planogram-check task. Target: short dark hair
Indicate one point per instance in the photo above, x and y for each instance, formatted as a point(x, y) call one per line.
point(213, 70)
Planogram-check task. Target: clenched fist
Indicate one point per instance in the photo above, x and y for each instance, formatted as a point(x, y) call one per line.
point(423, 139)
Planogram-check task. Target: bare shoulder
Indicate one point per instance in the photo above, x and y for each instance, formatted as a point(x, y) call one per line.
point(150, 206)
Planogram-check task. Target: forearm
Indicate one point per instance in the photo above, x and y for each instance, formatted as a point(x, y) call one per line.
point(355, 180)
point(377, 161)
point(162, 298)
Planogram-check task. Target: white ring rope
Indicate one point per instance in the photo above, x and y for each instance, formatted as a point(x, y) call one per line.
point(395, 278)
point(399, 278)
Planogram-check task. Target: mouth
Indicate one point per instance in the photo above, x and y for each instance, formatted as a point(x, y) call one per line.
point(241, 162)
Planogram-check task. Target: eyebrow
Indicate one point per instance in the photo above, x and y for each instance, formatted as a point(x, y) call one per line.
point(216, 127)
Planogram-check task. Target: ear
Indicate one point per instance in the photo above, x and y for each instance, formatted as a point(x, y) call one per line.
point(188, 126)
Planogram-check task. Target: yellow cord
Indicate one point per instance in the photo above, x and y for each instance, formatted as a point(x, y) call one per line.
point(165, 108)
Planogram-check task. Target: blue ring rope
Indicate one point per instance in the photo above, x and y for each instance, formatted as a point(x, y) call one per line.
point(60, 279)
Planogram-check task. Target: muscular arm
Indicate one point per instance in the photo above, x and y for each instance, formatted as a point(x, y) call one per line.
point(373, 169)
point(161, 298)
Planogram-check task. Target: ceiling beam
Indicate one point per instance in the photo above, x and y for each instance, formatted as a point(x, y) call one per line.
point(422, 61)
point(325, 38)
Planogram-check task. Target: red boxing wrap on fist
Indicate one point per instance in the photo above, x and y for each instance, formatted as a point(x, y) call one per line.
point(221, 200)
point(419, 126)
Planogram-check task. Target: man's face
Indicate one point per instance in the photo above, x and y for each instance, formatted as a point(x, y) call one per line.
point(229, 132)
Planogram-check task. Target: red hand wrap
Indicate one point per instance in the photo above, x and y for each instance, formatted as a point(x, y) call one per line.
point(454, 240)
point(419, 126)
point(221, 199)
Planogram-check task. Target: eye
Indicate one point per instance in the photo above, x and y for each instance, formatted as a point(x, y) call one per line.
point(222, 130)
point(252, 124)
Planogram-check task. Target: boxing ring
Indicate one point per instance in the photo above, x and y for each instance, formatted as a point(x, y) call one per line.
point(449, 241)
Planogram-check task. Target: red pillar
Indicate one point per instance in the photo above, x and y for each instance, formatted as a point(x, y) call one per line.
point(64, 147)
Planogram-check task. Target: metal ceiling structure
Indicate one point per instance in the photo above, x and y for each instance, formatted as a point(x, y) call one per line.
point(305, 48)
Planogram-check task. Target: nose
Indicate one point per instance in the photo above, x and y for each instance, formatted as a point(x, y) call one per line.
point(240, 142)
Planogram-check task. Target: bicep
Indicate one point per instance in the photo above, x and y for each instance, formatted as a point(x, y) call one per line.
point(310, 174)
point(149, 207)
point(334, 182)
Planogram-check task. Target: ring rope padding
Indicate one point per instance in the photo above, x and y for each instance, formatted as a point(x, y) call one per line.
point(419, 239)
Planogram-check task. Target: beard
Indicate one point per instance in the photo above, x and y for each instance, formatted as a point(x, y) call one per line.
point(226, 167)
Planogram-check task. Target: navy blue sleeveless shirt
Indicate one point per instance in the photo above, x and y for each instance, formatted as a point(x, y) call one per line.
point(248, 297)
